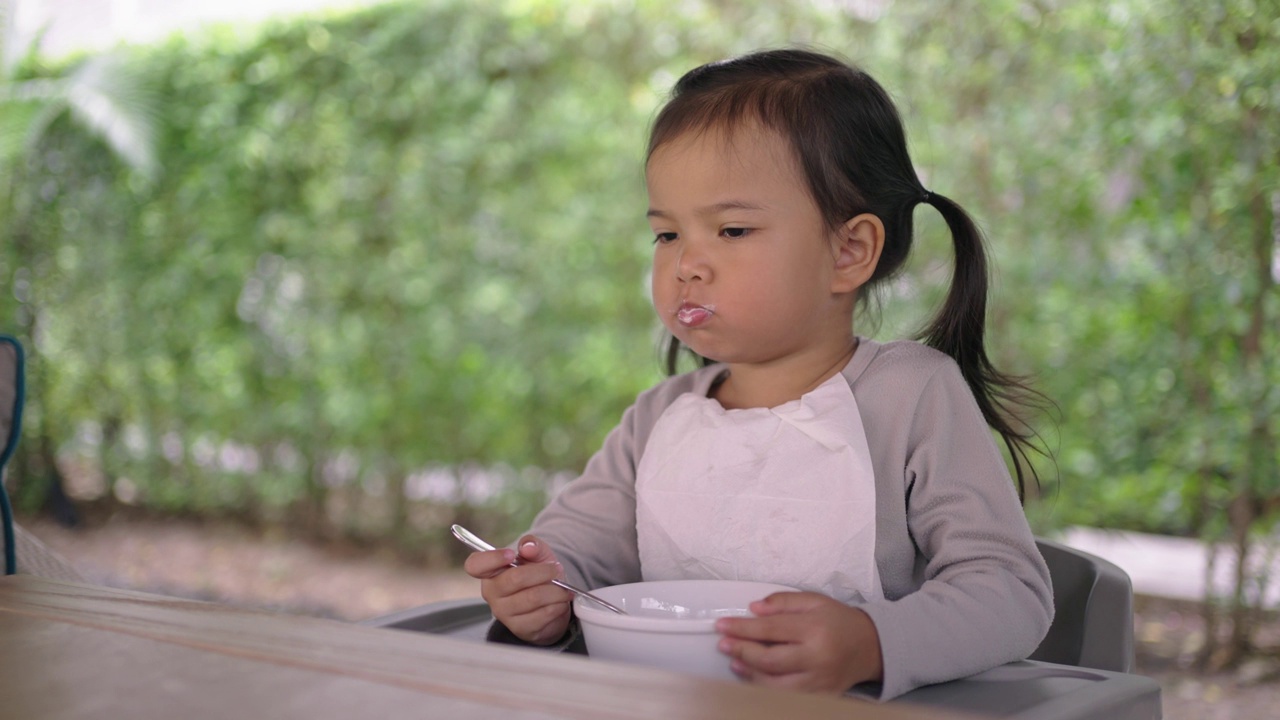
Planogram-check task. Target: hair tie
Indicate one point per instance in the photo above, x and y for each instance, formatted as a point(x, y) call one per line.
point(926, 198)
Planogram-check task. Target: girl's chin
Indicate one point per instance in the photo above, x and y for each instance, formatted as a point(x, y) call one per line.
point(697, 341)
point(701, 349)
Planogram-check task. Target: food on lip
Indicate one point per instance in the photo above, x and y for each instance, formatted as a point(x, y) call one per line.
point(691, 315)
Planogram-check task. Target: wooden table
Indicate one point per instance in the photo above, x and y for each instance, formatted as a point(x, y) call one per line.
point(79, 651)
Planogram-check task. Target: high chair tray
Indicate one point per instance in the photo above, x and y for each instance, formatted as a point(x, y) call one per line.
point(1025, 690)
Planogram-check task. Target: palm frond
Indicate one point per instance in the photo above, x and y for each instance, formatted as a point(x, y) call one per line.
point(105, 94)
point(110, 98)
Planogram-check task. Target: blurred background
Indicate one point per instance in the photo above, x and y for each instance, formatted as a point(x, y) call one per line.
point(302, 283)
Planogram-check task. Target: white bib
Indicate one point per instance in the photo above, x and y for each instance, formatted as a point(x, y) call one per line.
point(784, 495)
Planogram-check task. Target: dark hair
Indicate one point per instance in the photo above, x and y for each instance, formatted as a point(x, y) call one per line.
point(851, 147)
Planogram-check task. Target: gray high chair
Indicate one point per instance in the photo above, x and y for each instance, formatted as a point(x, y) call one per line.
point(22, 551)
point(1093, 611)
point(1080, 671)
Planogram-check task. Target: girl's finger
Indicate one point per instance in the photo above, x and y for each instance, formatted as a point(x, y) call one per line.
point(786, 628)
point(537, 598)
point(788, 602)
point(520, 578)
point(794, 681)
point(542, 625)
point(758, 658)
point(489, 563)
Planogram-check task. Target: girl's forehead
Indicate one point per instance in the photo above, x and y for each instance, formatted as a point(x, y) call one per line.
point(740, 145)
point(701, 173)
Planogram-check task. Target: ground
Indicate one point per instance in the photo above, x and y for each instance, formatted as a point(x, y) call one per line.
point(269, 570)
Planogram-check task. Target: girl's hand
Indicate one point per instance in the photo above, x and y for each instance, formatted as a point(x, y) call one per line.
point(523, 598)
point(803, 641)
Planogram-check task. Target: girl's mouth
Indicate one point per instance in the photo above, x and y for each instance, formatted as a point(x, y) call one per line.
point(691, 316)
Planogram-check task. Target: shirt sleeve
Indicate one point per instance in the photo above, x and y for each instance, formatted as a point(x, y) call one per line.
point(985, 598)
point(591, 522)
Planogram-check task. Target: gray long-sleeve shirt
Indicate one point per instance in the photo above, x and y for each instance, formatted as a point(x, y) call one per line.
point(965, 587)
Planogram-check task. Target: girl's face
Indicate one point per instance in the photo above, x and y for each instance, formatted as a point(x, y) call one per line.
point(743, 264)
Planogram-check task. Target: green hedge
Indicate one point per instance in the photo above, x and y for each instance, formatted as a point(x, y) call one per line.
point(412, 238)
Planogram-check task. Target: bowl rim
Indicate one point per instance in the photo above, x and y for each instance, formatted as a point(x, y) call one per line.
point(589, 614)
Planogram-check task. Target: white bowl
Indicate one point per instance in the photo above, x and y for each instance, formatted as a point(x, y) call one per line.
point(669, 624)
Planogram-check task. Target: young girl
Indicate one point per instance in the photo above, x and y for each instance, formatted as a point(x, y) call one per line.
point(780, 194)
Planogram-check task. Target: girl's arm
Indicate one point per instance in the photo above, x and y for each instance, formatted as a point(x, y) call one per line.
point(966, 587)
point(985, 597)
point(586, 533)
point(591, 522)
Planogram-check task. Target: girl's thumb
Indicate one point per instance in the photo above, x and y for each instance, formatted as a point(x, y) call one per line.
point(532, 549)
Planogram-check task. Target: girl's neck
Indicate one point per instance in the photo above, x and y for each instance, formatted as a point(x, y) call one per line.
point(773, 384)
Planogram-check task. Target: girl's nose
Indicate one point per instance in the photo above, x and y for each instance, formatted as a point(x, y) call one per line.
point(692, 264)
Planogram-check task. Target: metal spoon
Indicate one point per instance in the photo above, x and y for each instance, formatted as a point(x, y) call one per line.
point(475, 543)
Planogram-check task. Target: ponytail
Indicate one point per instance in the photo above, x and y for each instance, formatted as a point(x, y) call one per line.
point(959, 329)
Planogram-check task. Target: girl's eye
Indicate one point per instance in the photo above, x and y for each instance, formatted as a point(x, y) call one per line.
point(665, 237)
point(735, 232)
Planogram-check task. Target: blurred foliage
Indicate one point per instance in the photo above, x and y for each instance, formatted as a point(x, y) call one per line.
point(386, 246)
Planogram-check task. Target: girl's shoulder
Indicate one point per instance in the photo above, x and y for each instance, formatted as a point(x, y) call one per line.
point(904, 383)
point(897, 378)
point(899, 363)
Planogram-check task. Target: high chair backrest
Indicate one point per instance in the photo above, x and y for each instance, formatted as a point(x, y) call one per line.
point(22, 551)
point(1093, 611)
point(11, 389)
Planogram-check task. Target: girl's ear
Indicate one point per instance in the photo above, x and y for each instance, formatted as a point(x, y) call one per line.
point(857, 245)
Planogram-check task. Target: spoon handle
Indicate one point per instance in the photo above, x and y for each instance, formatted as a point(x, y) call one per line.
point(474, 542)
